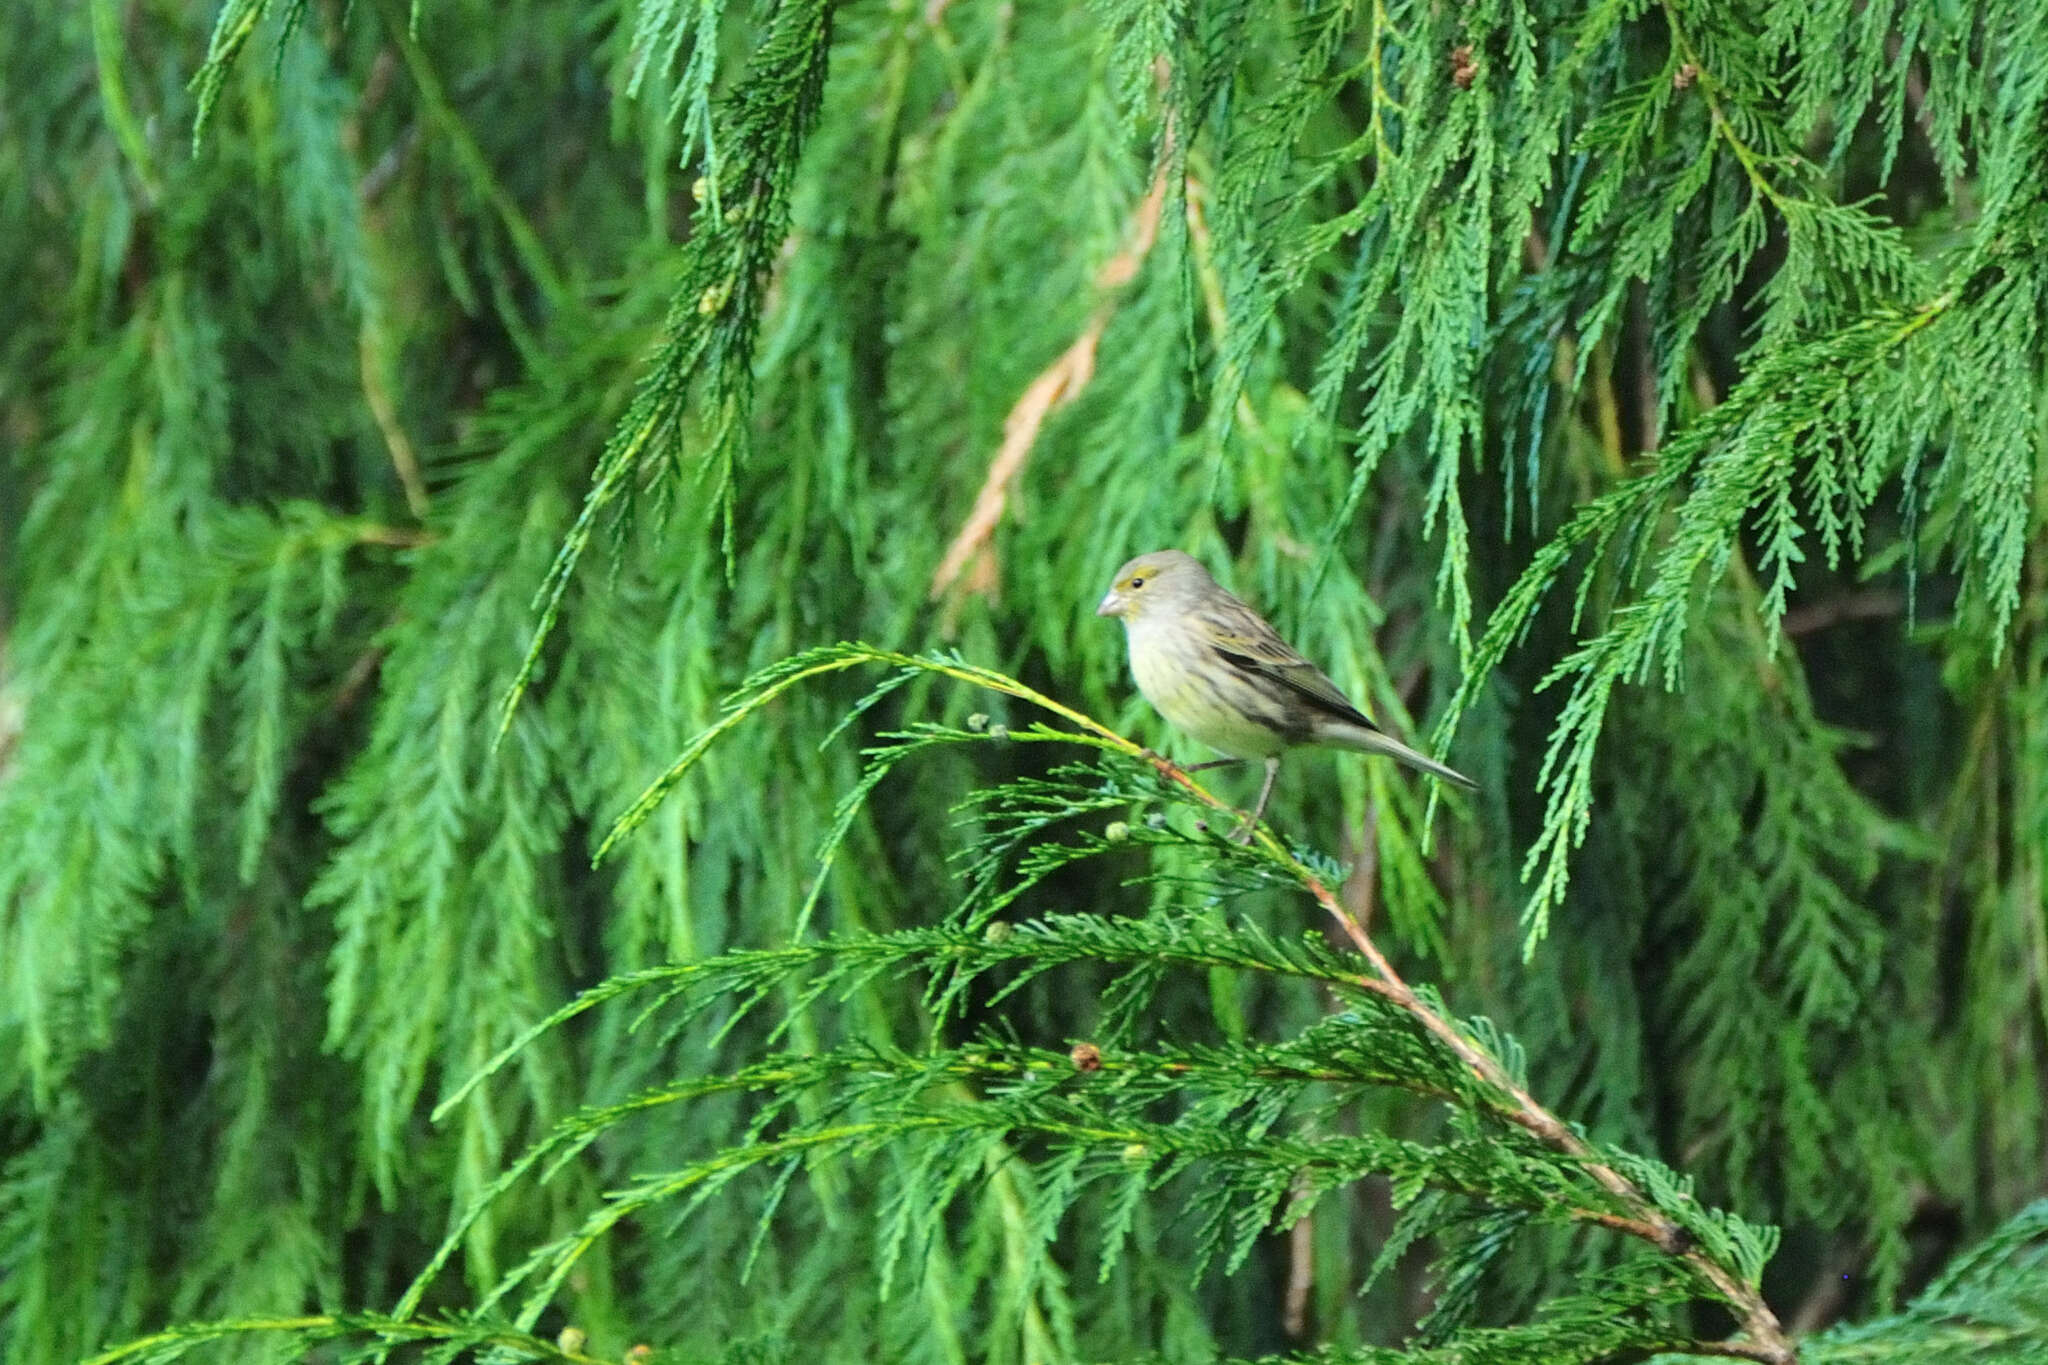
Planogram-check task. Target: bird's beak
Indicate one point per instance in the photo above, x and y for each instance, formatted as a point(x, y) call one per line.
point(1112, 604)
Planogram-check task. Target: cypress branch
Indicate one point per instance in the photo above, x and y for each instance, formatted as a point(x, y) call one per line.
point(1645, 398)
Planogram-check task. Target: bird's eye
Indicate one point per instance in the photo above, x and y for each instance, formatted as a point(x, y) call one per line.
point(1137, 583)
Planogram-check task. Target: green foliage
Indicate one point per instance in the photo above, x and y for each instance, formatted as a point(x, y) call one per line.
point(1988, 1305)
point(422, 413)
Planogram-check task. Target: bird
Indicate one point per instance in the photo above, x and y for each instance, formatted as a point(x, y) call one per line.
point(1216, 671)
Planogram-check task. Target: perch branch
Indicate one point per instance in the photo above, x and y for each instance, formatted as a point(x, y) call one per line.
point(1766, 1340)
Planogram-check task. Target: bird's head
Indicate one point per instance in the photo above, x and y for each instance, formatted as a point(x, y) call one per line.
point(1149, 580)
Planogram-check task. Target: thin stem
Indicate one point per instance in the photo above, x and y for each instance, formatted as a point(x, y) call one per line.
point(525, 241)
point(384, 411)
point(108, 43)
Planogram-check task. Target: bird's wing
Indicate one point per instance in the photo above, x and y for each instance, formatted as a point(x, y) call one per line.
point(1244, 639)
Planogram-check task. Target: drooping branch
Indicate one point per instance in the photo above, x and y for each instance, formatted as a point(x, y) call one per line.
point(1057, 384)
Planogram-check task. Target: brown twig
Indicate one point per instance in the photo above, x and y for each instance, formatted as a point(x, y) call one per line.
point(1831, 1283)
point(1871, 605)
point(404, 462)
point(1735, 1350)
point(384, 173)
point(1301, 1277)
point(370, 343)
point(1361, 887)
point(1648, 409)
point(355, 681)
point(1914, 90)
point(1765, 1341)
point(1054, 387)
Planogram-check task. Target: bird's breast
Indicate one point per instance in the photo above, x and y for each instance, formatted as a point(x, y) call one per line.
point(1202, 696)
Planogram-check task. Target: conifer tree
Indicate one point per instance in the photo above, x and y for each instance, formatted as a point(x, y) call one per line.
point(560, 798)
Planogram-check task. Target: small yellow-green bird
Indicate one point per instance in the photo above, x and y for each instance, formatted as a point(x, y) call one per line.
point(1215, 670)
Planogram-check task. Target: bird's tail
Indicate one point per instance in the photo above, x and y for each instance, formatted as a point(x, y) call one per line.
point(1374, 741)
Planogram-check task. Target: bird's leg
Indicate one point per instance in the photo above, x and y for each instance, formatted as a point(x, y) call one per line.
point(1211, 763)
point(1244, 831)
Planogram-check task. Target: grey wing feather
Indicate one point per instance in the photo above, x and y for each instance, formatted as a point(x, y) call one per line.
point(1242, 636)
